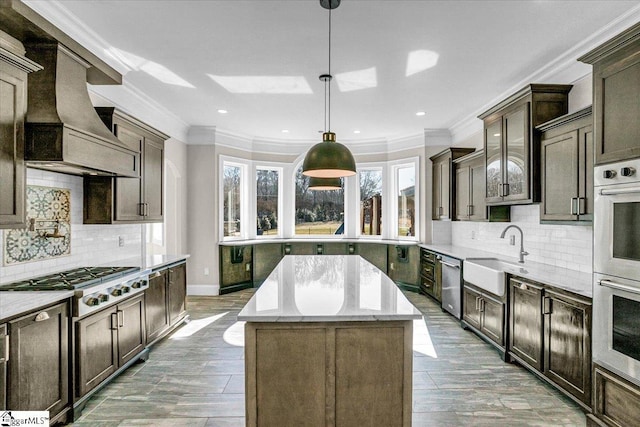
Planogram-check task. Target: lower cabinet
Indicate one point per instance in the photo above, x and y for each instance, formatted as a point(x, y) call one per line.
point(38, 362)
point(107, 340)
point(484, 312)
point(616, 401)
point(551, 333)
point(430, 277)
point(165, 300)
point(4, 339)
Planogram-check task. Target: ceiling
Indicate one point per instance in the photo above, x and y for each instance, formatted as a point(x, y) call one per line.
point(260, 60)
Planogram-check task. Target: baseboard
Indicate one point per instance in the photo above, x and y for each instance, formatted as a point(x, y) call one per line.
point(203, 290)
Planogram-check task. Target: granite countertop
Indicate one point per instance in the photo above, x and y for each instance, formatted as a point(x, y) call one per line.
point(15, 303)
point(327, 288)
point(562, 278)
point(318, 240)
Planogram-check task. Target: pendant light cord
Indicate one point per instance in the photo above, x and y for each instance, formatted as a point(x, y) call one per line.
point(330, 77)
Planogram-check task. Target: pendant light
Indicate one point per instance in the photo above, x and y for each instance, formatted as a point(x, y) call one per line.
point(324, 184)
point(328, 159)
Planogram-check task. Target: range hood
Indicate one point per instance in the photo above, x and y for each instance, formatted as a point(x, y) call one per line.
point(63, 133)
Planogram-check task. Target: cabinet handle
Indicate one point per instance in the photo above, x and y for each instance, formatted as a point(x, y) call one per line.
point(582, 205)
point(120, 318)
point(6, 348)
point(440, 211)
point(114, 321)
point(477, 303)
point(141, 209)
point(171, 276)
point(482, 302)
point(42, 316)
point(146, 209)
point(574, 206)
point(505, 190)
point(470, 207)
point(546, 309)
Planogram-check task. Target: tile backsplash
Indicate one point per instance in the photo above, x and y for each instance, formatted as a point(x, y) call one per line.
point(90, 244)
point(567, 246)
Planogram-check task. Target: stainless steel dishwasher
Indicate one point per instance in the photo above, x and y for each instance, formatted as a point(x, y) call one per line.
point(451, 284)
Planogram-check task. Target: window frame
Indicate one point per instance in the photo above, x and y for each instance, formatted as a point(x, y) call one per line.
point(270, 167)
point(394, 167)
point(382, 167)
point(245, 206)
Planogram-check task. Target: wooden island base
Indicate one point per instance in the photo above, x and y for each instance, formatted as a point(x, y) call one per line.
point(329, 373)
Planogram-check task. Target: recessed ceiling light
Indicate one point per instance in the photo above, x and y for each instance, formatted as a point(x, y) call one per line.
point(285, 130)
point(420, 113)
point(496, 134)
point(221, 111)
point(356, 131)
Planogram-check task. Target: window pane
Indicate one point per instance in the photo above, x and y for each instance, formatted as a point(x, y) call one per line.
point(406, 179)
point(318, 212)
point(267, 202)
point(370, 202)
point(232, 181)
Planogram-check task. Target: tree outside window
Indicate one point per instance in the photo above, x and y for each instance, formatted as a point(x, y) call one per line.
point(318, 212)
point(370, 201)
point(232, 180)
point(406, 179)
point(267, 181)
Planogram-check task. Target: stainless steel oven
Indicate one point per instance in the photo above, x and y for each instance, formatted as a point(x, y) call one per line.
point(616, 325)
point(616, 223)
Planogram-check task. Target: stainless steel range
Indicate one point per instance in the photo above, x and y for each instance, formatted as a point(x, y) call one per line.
point(616, 260)
point(95, 287)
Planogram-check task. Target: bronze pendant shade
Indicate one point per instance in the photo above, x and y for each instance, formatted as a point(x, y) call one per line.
point(324, 184)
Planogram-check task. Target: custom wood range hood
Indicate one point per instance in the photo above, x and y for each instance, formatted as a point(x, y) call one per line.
point(63, 133)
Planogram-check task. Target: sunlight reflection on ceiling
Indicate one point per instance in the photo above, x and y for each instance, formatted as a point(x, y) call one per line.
point(357, 80)
point(136, 63)
point(292, 85)
point(420, 60)
point(422, 340)
point(195, 325)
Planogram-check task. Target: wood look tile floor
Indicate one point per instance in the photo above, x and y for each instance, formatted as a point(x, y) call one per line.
point(195, 377)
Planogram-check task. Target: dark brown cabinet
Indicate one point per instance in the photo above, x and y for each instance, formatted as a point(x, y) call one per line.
point(616, 90)
point(443, 180)
point(616, 401)
point(567, 344)
point(165, 300)
point(485, 313)
point(512, 144)
point(429, 283)
point(107, 340)
point(470, 188)
point(14, 68)
point(128, 200)
point(38, 375)
point(550, 332)
point(567, 168)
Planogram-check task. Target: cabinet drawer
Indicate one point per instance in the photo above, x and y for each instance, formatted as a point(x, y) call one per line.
point(426, 256)
point(617, 402)
point(427, 271)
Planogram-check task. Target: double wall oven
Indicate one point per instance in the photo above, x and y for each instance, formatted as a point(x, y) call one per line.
point(616, 291)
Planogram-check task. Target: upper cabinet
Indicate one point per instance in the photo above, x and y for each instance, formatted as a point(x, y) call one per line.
point(616, 95)
point(567, 168)
point(470, 188)
point(443, 179)
point(14, 67)
point(128, 200)
point(512, 145)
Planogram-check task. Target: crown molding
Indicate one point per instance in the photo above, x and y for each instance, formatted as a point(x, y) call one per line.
point(564, 69)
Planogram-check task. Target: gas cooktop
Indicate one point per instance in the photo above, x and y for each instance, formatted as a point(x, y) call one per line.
point(76, 278)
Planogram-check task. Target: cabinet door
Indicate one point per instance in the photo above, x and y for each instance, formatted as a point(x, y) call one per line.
point(525, 320)
point(12, 168)
point(4, 345)
point(585, 173)
point(463, 192)
point(128, 197)
point(445, 186)
point(131, 329)
point(516, 154)
point(153, 179)
point(567, 344)
point(471, 307)
point(96, 349)
point(560, 177)
point(492, 319)
point(156, 305)
point(39, 361)
point(177, 291)
point(478, 207)
point(493, 156)
point(616, 90)
point(437, 191)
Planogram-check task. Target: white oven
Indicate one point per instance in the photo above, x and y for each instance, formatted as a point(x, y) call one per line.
point(616, 224)
point(616, 325)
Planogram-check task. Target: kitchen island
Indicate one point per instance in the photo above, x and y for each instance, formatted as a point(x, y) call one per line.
point(328, 342)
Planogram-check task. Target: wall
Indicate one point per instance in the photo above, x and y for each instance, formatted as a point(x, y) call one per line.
point(568, 246)
point(90, 244)
point(176, 193)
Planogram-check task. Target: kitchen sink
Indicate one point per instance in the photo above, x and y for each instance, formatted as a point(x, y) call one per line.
point(488, 273)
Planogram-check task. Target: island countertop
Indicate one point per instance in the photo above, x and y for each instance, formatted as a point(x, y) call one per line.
point(327, 288)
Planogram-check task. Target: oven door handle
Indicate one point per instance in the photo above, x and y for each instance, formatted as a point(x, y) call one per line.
point(614, 191)
point(619, 286)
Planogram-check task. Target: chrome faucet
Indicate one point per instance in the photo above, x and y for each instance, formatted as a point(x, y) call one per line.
point(522, 251)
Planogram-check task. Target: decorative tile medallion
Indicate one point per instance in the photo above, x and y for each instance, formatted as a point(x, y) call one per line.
point(48, 232)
